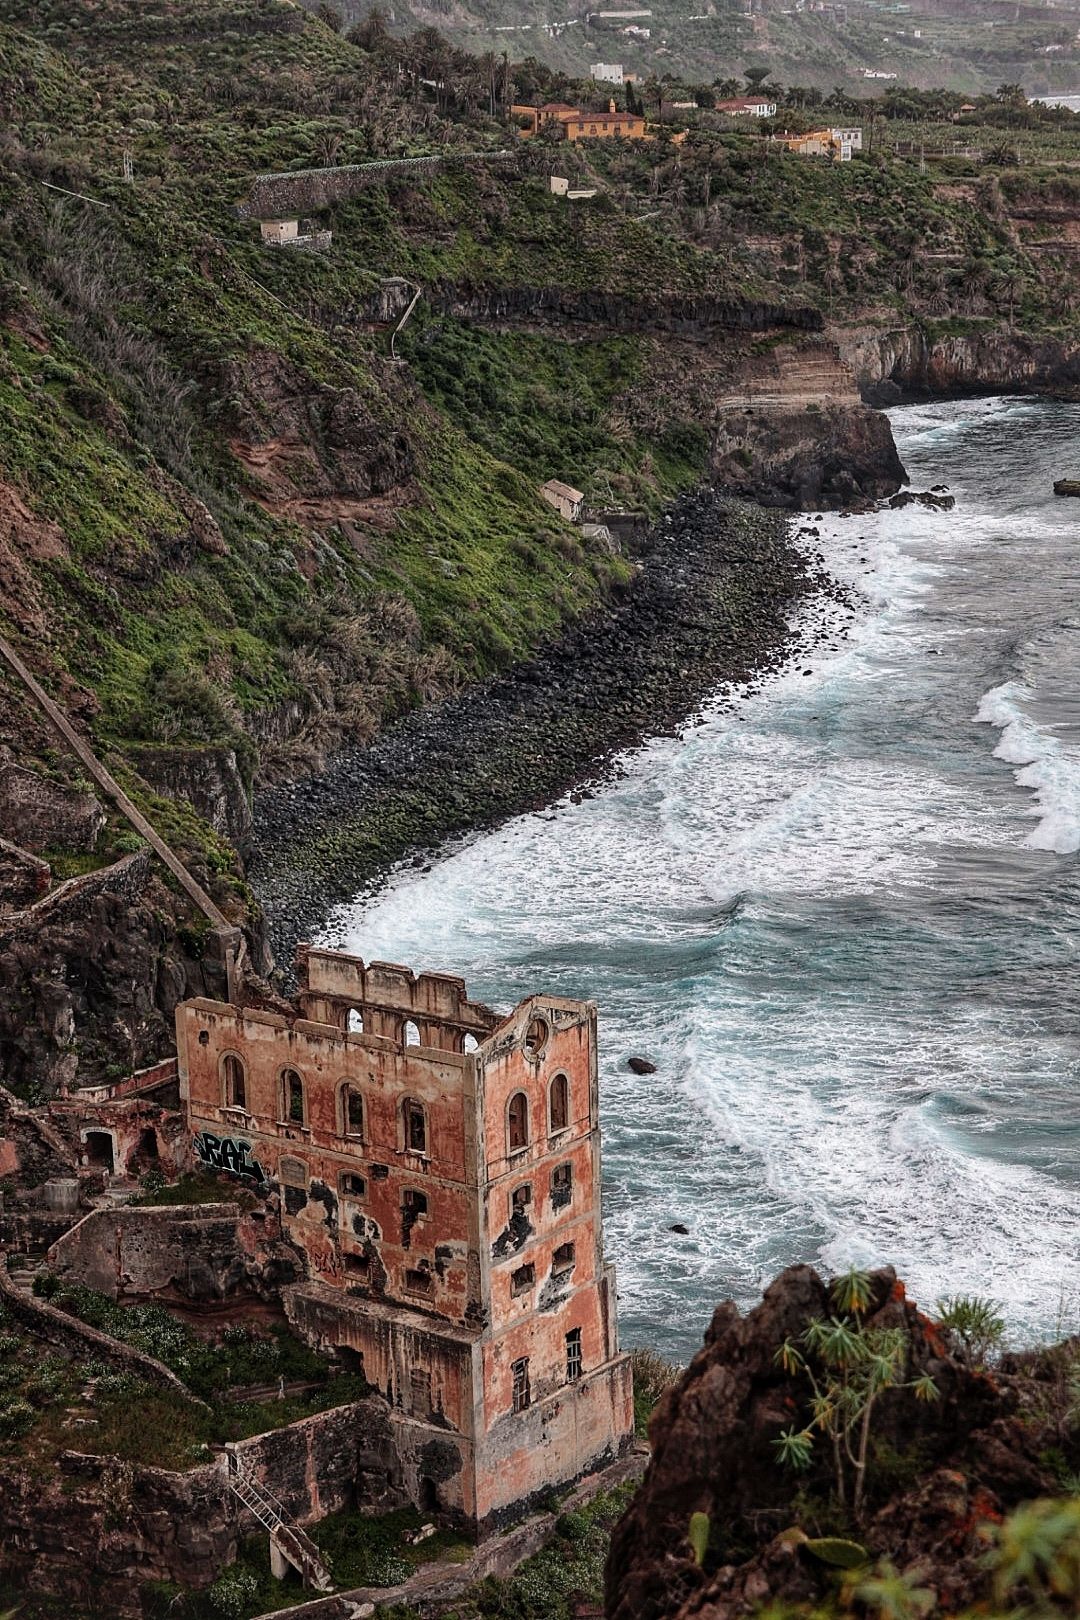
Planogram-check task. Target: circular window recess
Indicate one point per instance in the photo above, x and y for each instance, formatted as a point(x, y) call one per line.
point(536, 1037)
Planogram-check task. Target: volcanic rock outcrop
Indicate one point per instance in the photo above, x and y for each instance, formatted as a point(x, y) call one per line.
point(943, 1472)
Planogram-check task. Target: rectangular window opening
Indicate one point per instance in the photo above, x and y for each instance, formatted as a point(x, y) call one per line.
point(418, 1282)
point(415, 1128)
point(562, 1185)
point(563, 1258)
point(522, 1394)
point(420, 1390)
point(573, 1355)
point(352, 1186)
point(523, 1279)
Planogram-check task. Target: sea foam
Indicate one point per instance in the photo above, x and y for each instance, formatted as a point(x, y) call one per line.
point(1045, 765)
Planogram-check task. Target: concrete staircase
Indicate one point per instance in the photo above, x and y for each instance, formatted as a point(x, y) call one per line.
point(23, 1268)
point(288, 1543)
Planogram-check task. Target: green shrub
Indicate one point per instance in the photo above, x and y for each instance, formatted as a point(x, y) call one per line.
point(16, 1417)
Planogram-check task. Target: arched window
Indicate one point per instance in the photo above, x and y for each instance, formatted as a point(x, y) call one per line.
point(352, 1111)
point(412, 1034)
point(234, 1080)
point(517, 1121)
point(414, 1120)
point(292, 1097)
point(354, 1021)
point(559, 1103)
point(471, 1043)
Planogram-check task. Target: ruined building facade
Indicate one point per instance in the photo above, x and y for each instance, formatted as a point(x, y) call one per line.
point(439, 1168)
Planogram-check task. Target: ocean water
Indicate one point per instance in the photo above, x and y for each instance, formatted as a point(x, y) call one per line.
point(839, 913)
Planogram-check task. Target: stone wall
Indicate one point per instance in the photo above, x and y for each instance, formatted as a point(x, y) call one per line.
point(342, 1458)
point(94, 1531)
point(199, 1252)
point(38, 814)
point(78, 1339)
point(307, 191)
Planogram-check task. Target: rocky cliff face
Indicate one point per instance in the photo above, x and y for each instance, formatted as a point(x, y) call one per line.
point(985, 359)
point(91, 976)
point(942, 1472)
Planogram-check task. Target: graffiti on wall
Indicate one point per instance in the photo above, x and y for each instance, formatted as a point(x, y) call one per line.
point(225, 1153)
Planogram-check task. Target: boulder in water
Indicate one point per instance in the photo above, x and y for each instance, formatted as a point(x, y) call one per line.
point(640, 1065)
point(1067, 486)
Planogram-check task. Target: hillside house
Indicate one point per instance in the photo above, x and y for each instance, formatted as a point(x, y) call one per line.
point(566, 501)
point(561, 187)
point(438, 1167)
point(294, 233)
point(850, 138)
point(575, 125)
point(606, 72)
point(834, 144)
point(748, 107)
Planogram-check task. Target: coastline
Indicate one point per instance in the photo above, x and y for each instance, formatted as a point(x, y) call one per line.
point(709, 609)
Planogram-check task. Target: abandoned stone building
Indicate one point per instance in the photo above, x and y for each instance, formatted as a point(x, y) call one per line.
point(438, 1167)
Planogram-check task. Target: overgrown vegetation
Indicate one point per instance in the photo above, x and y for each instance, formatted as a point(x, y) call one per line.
point(135, 1420)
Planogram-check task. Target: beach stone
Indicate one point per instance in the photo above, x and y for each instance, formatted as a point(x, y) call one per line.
point(641, 1065)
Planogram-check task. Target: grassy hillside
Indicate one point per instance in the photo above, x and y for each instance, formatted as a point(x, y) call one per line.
point(227, 515)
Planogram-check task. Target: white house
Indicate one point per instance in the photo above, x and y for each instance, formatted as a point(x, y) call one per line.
point(848, 139)
point(748, 107)
point(606, 72)
point(288, 233)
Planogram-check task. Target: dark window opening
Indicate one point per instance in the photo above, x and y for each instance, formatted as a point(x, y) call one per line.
point(522, 1394)
point(560, 1103)
point(420, 1391)
point(232, 1070)
point(413, 1205)
point(415, 1127)
point(99, 1151)
point(563, 1258)
point(351, 1361)
point(429, 1495)
point(520, 1199)
point(358, 1266)
point(518, 1121)
point(418, 1282)
point(562, 1185)
point(352, 1186)
point(292, 1088)
point(352, 1112)
point(148, 1146)
point(573, 1355)
point(522, 1280)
